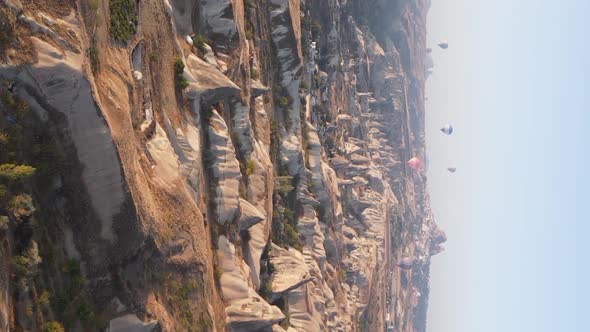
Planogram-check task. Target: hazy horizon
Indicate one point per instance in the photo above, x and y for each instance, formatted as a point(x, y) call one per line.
point(514, 84)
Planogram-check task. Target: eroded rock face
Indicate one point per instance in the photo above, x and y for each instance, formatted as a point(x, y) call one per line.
point(291, 271)
point(58, 78)
point(247, 311)
point(225, 169)
point(130, 323)
point(298, 112)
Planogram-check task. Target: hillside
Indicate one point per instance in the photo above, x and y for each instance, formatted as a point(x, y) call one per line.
point(200, 165)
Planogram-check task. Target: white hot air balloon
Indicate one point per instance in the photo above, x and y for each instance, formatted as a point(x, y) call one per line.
point(447, 129)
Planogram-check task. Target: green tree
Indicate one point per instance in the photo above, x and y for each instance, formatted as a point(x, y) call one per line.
point(178, 67)
point(21, 206)
point(16, 172)
point(53, 326)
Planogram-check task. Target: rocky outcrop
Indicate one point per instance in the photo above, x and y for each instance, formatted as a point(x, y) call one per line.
point(246, 311)
point(249, 215)
point(130, 323)
point(225, 169)
point(290, 271)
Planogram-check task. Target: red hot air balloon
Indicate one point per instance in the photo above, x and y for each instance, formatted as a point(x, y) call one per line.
point(414, 163)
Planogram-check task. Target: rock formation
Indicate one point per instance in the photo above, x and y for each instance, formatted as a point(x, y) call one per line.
point(211, 165)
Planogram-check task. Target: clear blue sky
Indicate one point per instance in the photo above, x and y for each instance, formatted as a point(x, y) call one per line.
point(515, 83)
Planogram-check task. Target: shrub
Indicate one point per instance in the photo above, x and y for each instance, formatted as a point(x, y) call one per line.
point(178, 67)
point(123, 19)
point(249, 33)
point(44, 298)
point(181, 82)
point(8, 99)
point(154, 56)
point(316, 28)
point(93, 53)
point(250, 167)
point(283, 101)
point(200, 41)
point(254, 73)
point(7, 22)
point(291, 236)
point(16, 172)
point(85, 312)
point(4, 138)
point(265, 289)
point(53, 326)
point(304, 85)
point(3, 193)
point(4, 222)
point(242, 192)
point(25, 265)
point(93, 4)
point(250, 3)
point(21, 206)
point(283, 184)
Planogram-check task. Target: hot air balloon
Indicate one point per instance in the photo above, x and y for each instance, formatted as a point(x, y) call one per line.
point(447, 129)
point(414, 163)
point(405, 263)
point(444, 45)
point(452, 169)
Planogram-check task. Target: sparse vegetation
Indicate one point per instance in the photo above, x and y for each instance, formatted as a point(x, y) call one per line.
point(16, 172)
point(283, 184)
point(217, 266)
point(181, 82)
point(154, 56)
point(250, 167)
point(249, 33)
point(254, 73)
point(342, 275)
point(283, 101)
point(181, 300)
point(284, 228)
point(316, 28)
point(7, 35)
point(250, 4)
point(4, 222)
point(93, 54)
point(94, 4)
point(30, 160)
point(25, 265)
point(123, 19)
point(53, 326)
point(243, 192)
point(44, 298)
point(265, 289)
point(21, 206)
point(178, 67)
point(201, 43)
point(304, 85)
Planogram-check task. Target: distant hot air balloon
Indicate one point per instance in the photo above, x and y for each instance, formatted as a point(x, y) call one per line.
point(405, 263)
point(414, 163)
point(447, 129)
point(444, 45)
point(452, 169)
